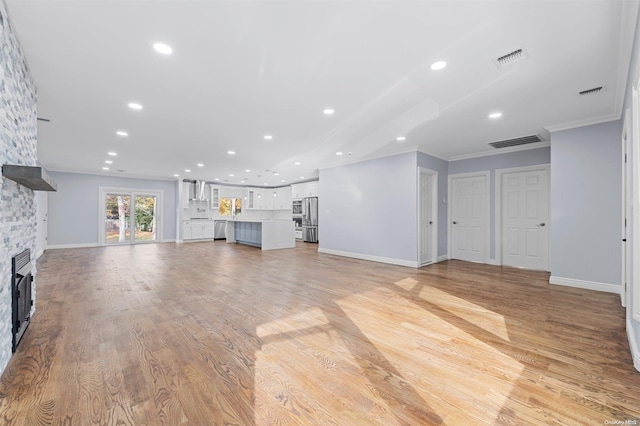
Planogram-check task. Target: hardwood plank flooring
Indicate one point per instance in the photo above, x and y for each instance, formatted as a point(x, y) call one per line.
point(214, 333)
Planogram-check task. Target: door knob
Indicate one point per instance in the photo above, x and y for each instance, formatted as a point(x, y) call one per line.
point(455, 223)
point(430, 222)
point(542, 224)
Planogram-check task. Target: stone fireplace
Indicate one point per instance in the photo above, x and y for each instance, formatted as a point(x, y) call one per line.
point(18, 141)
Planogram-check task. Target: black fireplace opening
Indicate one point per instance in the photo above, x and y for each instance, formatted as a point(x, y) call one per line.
point(21, 302)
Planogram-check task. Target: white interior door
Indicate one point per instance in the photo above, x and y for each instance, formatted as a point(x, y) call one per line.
point(469, 217)
point(525, 219)
point(427, 217)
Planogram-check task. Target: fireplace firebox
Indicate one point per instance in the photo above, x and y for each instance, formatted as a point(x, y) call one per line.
point(21, 302)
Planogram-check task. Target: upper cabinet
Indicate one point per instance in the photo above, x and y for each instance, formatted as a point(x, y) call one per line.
point(268, 198)
point(215, 197)
point(186, 193)
point(282, 198)
point(306, 189)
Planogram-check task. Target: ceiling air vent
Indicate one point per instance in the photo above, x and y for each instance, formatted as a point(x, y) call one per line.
point(515, 142)
point(510, 58)
point(591, 91)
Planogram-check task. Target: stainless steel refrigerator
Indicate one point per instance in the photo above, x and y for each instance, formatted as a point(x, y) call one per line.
point(310, 219)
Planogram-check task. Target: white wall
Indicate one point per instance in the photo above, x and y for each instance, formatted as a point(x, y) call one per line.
point(74, 208)
point(586, 206)
point(368, 209)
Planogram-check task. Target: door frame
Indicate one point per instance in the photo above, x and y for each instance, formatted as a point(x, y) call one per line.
point(498, 206)
point(627, 217)
point(434, 213)
point(132, 192)
point(486, 174)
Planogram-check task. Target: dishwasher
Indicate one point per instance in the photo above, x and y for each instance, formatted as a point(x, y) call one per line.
point(219, 229)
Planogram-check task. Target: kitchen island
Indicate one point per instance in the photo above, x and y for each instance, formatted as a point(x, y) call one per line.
point(266, 234)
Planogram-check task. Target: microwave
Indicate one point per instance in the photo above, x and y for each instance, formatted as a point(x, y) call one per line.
point(297, 207)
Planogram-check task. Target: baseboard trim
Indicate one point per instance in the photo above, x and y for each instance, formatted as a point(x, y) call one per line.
point(87, 245)
point(389, 260)
point(66, 246)
point(442, 258)
point(633, 345)
point(587, 285)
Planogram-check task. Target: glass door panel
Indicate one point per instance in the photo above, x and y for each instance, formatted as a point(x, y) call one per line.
point(117, 228)
point(145, 218)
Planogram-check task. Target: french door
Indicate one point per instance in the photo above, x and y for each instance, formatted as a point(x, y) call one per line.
point(129, 217)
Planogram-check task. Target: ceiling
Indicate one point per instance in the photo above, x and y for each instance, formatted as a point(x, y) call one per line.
point(243, 70)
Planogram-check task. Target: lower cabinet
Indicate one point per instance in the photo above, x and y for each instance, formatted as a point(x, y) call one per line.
point(249, 233)
point(197, 230)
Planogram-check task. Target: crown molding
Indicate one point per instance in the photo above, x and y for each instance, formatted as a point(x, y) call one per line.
point(527, 147)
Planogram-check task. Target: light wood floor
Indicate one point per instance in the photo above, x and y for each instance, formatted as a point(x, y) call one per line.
point(215, 333)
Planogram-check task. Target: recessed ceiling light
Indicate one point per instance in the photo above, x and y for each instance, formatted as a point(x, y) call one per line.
point(301, 177)
point(108, 161)
point(401, 138)
point(276, 174)
point(328, 111)
point(113, 154)
point(438, 65)
point(176, 175)
point(200, 165)
point(231, 152)
point(339, 153)
point(495, 115)
point(165, 49)
point(122, 133)
point(266, 183)
point(105, 168)
point(248, 171)
point(217, 179)
point(187, 170)
point(268, 137)
point(134, 105)
point(297, 163)
point(230, 174)
point(282, 180)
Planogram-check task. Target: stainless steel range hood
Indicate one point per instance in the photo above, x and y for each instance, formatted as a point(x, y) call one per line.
point(35, 178)
point(198, 191)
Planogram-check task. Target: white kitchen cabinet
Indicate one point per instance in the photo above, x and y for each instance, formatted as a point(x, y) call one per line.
point(251, 197)
point(215, 198)
point(268, 198)
point(282, 198)
point(197, 229)
point(306, 189)
point(186, 230)
point(186, 191)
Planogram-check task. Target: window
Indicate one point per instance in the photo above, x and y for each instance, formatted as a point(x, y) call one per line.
point(230, 206)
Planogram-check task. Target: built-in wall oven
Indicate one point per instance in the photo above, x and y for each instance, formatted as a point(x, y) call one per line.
point(298, 225)
point(297, 207)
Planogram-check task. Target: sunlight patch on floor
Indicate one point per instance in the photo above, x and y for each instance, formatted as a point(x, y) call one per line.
point(477, 315)
point(406, 284)
point(299, 321)
point(440, 355)
point(296, 365)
